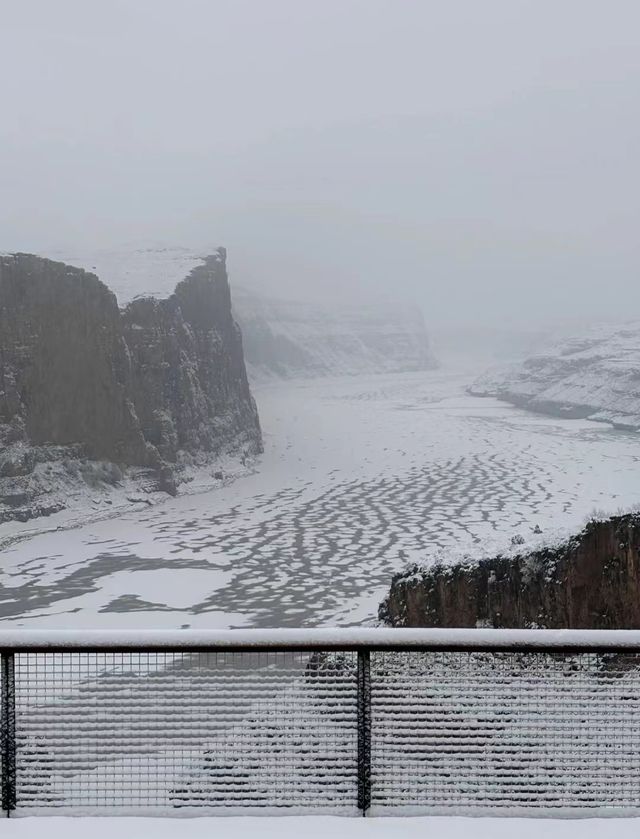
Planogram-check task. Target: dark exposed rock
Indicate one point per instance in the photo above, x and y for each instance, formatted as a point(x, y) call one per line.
point(17, 461)
point(151, 386)
point(16, 498)
point(190, 388)
point(33, 511)
point(167, 480)
point(591, 581)
point(65, 370)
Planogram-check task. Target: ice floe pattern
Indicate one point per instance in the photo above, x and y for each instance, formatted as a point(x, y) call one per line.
point(359, 476)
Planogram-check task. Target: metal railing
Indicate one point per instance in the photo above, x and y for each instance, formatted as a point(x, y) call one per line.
point(356, 720)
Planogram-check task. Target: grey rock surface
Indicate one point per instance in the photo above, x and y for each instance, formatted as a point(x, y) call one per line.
point(150, 386)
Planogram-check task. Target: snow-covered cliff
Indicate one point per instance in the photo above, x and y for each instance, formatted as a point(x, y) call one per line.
point(595, 376)
point(286, 339)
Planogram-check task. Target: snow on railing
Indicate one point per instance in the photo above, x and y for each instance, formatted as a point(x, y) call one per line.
point(378, 720)
point(319, 639)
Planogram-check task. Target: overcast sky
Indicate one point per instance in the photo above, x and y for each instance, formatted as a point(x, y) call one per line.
point(479, 155)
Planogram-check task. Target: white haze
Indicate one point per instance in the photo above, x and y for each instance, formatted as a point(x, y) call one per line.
point(481, 157)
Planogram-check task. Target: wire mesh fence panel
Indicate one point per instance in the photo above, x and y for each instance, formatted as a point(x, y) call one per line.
point(170, 731)
point(460, 731)
point(441, 731)
point(3, 730)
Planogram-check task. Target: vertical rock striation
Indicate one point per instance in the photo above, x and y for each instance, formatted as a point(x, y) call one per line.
point(151, 386)
point(190, 387)
point(592, 581)
point(65, 369)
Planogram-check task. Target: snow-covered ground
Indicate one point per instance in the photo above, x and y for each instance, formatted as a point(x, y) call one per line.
point(318, 827)
point(360, 475)
point(595, 374)
point(135, 270)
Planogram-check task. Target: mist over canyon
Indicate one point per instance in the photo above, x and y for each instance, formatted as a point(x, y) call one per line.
point(140, 389)
point(318, 325)
point(375, 456)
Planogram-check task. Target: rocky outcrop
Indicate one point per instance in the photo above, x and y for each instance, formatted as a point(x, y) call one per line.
point(286, 339)
point(189, 383)
point(591, 581)
point(152, 386)
point(65, 371)
point(594, 376)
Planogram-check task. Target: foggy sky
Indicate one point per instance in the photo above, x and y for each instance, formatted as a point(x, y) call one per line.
point(481, 157)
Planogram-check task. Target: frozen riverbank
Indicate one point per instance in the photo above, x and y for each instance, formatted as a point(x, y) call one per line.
point(592, 375)
point(359, 476)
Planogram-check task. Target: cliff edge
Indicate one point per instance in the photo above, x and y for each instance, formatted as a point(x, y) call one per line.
point(591, 581)
point(157, 386)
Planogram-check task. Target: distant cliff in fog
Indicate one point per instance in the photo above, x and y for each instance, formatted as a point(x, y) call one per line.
point(595, 375)
point(286, 339)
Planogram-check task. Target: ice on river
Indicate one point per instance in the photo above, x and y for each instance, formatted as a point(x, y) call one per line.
point(360, 475)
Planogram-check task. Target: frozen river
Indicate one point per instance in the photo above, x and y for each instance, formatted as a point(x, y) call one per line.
point(359, 476)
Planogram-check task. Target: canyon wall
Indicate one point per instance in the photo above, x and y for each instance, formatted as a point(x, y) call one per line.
point(189, 382)
point(591, 581)
point(291, 339)
point(595, 375)
point(151, 386)
point(65, 372)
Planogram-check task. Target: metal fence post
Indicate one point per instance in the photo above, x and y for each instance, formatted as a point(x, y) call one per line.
point(364, 731)
point(8, 732)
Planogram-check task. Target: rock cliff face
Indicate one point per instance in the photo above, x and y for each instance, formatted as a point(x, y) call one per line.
point(189, 383)
point(590, 582)
point(286, 339)
point(65, 372)
point(150, 386)
point(595, 376)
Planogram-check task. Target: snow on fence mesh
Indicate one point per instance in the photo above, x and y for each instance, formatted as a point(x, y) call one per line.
point(185, 730)
point(517, 730)
point(429, 730)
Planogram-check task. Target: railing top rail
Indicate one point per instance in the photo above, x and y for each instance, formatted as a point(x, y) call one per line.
point(355, 638)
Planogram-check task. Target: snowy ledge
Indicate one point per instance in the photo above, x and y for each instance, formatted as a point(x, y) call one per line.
point(318, 827)
point(32, 640)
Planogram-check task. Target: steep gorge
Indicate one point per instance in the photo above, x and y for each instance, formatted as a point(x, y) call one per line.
point(154, 386)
